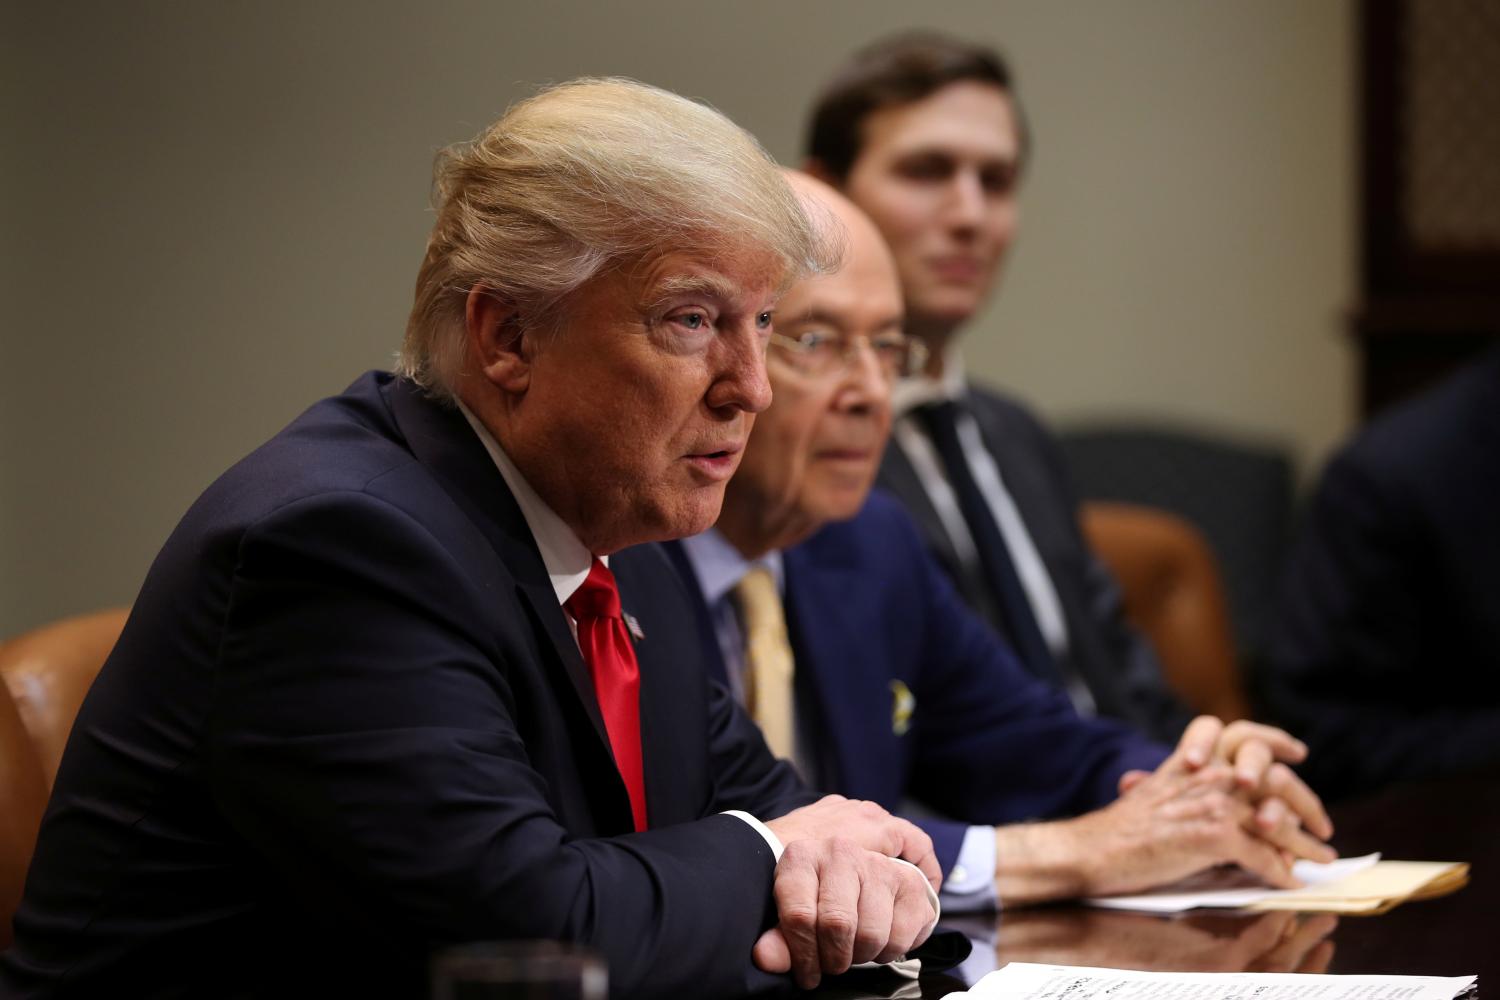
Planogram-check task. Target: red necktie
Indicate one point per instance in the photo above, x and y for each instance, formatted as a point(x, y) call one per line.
point(595, 606)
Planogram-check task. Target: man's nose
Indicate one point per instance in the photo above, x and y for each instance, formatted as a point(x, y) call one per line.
point(966, 201)
point(741, 382)
point(865, 384)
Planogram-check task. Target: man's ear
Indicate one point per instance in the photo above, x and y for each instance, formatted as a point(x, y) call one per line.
point(493, 326)
point(814, 167)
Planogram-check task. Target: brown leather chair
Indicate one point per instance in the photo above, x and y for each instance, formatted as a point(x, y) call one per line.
point(49, 670)
point(23, 794)
point(46, 673)
point(1174, 595)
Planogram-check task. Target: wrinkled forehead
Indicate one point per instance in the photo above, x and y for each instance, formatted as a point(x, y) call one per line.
point(743, 274)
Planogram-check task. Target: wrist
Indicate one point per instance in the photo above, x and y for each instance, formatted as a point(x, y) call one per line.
point(1039, 862)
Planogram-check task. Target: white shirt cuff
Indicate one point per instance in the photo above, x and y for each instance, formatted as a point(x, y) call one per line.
point(970, 885)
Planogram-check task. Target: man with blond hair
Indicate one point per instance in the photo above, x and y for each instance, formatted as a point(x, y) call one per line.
point(381, 693)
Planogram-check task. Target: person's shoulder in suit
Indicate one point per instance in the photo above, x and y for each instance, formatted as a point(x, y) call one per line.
point(1013, 431)
point(995, 403)
point(1389, 593)
point(338, 443)
point(1435, 436)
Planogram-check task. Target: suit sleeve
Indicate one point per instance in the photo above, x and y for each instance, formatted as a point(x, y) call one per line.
point(993, 744)
point(1347, 664)
point(365, 739)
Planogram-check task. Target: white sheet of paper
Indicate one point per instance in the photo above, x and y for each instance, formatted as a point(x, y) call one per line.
point(1026, 981)
point(1226, 887)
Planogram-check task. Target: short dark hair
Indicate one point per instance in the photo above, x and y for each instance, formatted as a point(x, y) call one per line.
point(894, 70)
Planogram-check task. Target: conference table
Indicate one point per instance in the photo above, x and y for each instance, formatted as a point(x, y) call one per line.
point(1453, 819)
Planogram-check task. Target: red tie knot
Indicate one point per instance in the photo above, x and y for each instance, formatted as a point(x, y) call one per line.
point(597, 597)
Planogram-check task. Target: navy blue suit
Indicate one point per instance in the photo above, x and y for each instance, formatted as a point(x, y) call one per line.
point(987, 744)
point(347, 723)
point(1386, 659)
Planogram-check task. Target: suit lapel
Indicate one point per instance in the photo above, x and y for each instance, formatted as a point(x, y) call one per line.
point(838, 652)
point(1027, 483)
point(712, 655)
point(671, 679)
point(1054, 532)
point(441, 439)
point(897, 476)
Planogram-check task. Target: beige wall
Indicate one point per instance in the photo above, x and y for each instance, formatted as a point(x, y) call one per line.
point(213, 214)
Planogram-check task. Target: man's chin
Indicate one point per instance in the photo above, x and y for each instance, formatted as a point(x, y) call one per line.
point(950, 306)
point(693, 514)
point(843, 502)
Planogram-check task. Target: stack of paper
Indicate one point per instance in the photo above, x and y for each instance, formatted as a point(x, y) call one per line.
point(1024, 981)
point(1349, 885)
point(1374, 890)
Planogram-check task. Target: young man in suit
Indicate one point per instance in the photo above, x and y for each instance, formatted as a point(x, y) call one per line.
point(865, 668)
point(925, 134)
point(380, 693)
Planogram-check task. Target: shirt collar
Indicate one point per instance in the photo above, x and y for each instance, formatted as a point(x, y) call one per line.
point(720, 567)
point(919, 390)
point(566, 558)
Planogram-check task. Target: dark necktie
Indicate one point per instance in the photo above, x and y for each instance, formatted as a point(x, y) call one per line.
point(941, 422)
point(606, 647)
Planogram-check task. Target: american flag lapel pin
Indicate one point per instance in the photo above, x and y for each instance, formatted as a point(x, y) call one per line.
point(634, 626)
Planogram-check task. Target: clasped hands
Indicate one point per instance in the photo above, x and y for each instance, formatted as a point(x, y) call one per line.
point(1225, 795)
point(840, 898)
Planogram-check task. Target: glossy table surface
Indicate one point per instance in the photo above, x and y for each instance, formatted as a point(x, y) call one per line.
point(1455, 819)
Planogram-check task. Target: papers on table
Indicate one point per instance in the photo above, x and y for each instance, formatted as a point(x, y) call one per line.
point(1025, 981)
point(1374, 889)
point(1349, 885)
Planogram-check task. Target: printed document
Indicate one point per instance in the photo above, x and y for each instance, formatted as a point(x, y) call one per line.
point(1025, 981)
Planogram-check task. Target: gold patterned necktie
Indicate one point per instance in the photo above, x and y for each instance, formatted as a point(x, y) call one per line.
point(768, 661)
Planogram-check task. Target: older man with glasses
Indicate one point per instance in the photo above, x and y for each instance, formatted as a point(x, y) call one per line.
point(863, 666)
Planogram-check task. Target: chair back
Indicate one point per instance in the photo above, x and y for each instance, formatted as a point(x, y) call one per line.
point(45, 674)
point(1238, 492)
point(1174, 595)
point(49, 670)
point(23, 795)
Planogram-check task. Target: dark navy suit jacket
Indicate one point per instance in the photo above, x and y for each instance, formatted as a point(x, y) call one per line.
point(347, 723)
point(1386, 659)
point(866, 607)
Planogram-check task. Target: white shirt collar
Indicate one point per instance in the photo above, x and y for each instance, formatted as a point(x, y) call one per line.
point(720, 567)
point(566, 558)
point(919, 390)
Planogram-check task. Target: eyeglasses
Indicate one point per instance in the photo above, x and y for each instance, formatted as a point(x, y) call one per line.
point(820, 353)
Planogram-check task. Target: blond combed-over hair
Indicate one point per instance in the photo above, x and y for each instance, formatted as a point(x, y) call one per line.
point(577, 178)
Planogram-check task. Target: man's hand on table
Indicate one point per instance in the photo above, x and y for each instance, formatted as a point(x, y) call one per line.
point(840, 898)
point(1224, 796)
point(1287, 812)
